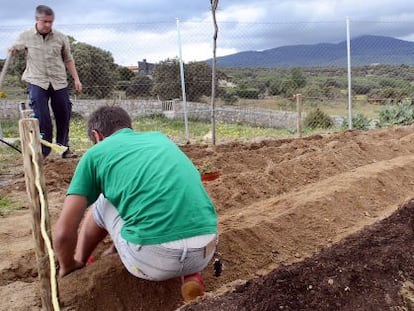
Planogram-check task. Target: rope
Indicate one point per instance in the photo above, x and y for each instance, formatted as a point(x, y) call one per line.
point(43, 231)
point(10, 145)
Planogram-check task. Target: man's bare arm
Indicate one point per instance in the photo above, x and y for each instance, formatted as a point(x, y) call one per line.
point(66, 233)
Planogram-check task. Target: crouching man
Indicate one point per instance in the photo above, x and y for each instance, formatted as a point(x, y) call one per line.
point(144, 192)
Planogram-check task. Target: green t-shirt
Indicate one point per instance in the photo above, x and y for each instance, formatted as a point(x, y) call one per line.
point(152, 183)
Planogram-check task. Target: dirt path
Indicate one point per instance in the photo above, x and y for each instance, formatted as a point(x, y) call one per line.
point(279, 202)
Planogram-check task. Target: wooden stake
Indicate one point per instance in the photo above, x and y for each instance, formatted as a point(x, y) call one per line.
point(29, 135)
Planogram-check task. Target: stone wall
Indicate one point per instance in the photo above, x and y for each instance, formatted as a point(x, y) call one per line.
point(244, 115)
point(228, 114)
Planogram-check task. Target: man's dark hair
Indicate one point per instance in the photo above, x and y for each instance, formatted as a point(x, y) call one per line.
point(107, 120)
point(44, 10)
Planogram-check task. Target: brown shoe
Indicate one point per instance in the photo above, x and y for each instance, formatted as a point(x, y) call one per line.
point(192, 287)
point(69, 154)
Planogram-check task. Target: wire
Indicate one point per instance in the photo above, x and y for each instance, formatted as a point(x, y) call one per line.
point(10, 145)
point(43, 231)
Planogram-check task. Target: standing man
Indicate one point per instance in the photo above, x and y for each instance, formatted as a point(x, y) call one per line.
point(147, 194)
point(47, 55)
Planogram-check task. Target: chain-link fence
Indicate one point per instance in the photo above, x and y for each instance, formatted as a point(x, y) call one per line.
point(138, 66)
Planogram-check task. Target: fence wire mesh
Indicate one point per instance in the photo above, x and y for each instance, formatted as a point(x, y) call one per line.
point(138, 66)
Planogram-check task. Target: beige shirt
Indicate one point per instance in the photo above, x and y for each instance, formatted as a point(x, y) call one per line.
point(46, 58)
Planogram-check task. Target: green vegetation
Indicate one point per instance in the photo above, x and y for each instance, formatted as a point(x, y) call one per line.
point(386, 83)
point(102, 78)
point(317, 118)
point(400, 114)
point(96, 68)
point(198, 129)
point(359, 122)
point(10, 128)
point(245, 92)
point(78, 138)
point(7, 205)
point(206, 167)
point(167, 81)
point(382, 95)
point(140, 86)
point(175, 129)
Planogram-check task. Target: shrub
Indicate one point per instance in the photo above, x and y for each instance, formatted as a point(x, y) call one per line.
point(250, 93)
point(359, 122)
point(140, 86)
point(229, 98)
point(317, 118)
point(400, 114)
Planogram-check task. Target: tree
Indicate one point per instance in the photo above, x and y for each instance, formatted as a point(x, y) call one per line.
point(362, 86)
point(288, 87)
point(140, 86)
point(17, 64)
point(167, 80)
point(124, 77)
point(96, 68)
point(297, 76)
point(250, 93)
point(198, 77)
point(312, 90)
point(16, 69)
point(125, 73)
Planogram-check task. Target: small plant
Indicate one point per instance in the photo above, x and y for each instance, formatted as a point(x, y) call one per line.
point(317, 118)
point(206, 167)
point(208, 172)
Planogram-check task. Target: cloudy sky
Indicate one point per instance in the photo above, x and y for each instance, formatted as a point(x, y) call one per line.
point(133, 30)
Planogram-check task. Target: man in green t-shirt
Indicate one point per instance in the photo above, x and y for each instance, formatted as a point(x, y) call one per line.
point(147, 195)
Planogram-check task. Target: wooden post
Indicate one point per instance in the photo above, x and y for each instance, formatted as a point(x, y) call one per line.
point(299, 114)
point(30, 136)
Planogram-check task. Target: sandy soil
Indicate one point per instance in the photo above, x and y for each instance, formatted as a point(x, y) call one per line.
point(318, 223)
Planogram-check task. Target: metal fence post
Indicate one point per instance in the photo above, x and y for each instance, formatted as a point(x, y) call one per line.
point(299, 114)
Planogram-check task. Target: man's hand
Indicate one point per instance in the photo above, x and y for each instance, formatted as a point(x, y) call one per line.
point(78, 86)
point(70, 65)
point(13, 51)
point(75, 265)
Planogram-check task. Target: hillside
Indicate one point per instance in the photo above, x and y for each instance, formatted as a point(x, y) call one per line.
point(365, 50)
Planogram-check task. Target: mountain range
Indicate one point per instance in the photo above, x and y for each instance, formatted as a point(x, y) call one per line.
point(365, 50)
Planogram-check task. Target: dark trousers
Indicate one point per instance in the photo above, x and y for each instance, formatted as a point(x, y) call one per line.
point(61, 107)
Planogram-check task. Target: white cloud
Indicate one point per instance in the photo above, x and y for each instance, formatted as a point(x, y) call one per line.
point(133, 30)
point(242, 13)
point(132, 42)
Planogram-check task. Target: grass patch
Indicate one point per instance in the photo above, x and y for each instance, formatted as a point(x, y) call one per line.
point(78, 139)
point(7, 205)
point(198, 131)
point(10, 128)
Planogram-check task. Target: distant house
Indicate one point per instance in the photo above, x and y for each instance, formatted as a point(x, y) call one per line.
point(377, 101)
point(145, 67)
point(134, 69)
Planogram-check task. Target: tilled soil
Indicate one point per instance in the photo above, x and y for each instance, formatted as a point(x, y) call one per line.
point(315, 223)
point(369, 270)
